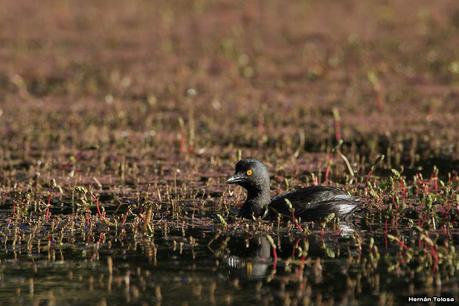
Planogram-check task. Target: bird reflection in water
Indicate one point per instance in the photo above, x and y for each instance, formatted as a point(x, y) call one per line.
point(255, 258)
point(255, 264)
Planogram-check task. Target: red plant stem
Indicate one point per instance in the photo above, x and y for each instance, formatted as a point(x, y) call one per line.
point(327, 170)
point(300, 269)
point(337, 122)
point(327, 173)
point(297, 225)
point(183, 145)
point(338, 130)
point(403, 245)
point(99, 214)
point(435, 184)
point(274, 259)
point(369, 175)
point(124, 218)
point(404, 189)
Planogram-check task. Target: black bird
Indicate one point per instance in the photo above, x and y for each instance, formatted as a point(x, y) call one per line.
point(309, 204)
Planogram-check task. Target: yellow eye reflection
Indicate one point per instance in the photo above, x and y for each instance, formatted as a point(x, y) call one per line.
point(249, 172)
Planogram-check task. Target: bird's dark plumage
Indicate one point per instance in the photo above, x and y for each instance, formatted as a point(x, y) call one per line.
point(309, 204)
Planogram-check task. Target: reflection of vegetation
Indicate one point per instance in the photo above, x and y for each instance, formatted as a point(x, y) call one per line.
point(323, 266)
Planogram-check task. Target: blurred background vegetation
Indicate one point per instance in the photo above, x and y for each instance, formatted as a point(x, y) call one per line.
point(249, 74)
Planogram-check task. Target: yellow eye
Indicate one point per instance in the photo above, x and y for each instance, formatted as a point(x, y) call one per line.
point(249, 172)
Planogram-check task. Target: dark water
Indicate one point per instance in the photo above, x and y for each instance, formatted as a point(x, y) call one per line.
point(211, 266)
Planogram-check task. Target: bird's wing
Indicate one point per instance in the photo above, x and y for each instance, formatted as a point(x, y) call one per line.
point(313, 194)
point(314, 202)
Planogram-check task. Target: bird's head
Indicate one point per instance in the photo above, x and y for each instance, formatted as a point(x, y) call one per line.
point(250, 174)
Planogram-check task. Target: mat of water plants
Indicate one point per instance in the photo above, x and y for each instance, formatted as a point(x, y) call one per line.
point(120, 122)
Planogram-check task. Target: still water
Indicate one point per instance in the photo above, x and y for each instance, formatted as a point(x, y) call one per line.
point(211, 265)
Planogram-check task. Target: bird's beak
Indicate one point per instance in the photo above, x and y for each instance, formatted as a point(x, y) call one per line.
point(237, 178)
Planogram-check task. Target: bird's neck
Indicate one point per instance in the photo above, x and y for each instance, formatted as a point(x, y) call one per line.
point(257, 200)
